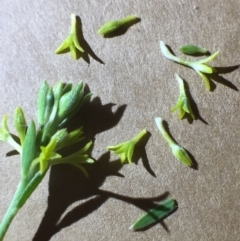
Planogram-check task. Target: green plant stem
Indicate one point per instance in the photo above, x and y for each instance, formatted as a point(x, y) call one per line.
point(23, 192)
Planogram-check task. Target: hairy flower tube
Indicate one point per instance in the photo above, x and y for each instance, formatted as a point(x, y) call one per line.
point(113, 25)
point(201, 67)
point(183, 104)
point(177, 150)
point(71, 42)
point(126, 149)
point(39, 146)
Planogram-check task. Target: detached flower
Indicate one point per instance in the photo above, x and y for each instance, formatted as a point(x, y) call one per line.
point(200, 66)
point(177, 150)
point(71, 42)
point(111, 26)
point(183, 104)
point(126, 149)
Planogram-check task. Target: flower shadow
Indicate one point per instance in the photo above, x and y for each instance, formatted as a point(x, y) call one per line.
point(84, 44)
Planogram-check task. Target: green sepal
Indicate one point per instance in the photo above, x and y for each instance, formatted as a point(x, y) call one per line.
point(70, 101)
point(4, 131)
point(20, 124)
point(41, 102)
point(155, 215)
point(49, 105)
point(193, 49)
point(181, 154)
point(113, 25)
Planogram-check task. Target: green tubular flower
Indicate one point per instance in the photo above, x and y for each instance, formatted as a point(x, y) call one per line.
point(71, 42)
point(111, 26)
point(126, 149)
point(177, 150)
point(183, 104)
point(200, 66)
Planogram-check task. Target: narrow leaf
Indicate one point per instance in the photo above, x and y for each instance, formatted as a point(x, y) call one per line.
point(193, 49)
point(155, 215)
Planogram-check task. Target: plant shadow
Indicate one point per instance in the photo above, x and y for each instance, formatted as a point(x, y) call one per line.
point(67, 185)
point(194, 162)
point(123, 29)
point(218, 78)
point(140, 153)
point(84, 44)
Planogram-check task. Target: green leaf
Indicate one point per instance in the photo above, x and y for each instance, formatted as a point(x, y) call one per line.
point(155, 215)
point(193, 49)
point(113, 25)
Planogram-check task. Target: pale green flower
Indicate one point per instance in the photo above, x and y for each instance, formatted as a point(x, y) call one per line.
point(201, 67)
point(183, 103)
point(71, 42)
point(126, 149)
point(177, 150)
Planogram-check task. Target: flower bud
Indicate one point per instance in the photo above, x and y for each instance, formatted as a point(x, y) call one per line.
point(20, 124)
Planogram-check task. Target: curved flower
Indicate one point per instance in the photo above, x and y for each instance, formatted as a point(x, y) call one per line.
point(126, 149)
point(183, 104)
point(71, 42)
point(201, 67)
point(177, 150)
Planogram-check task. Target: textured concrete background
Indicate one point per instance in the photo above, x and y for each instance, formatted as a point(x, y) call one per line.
point(66, 206)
